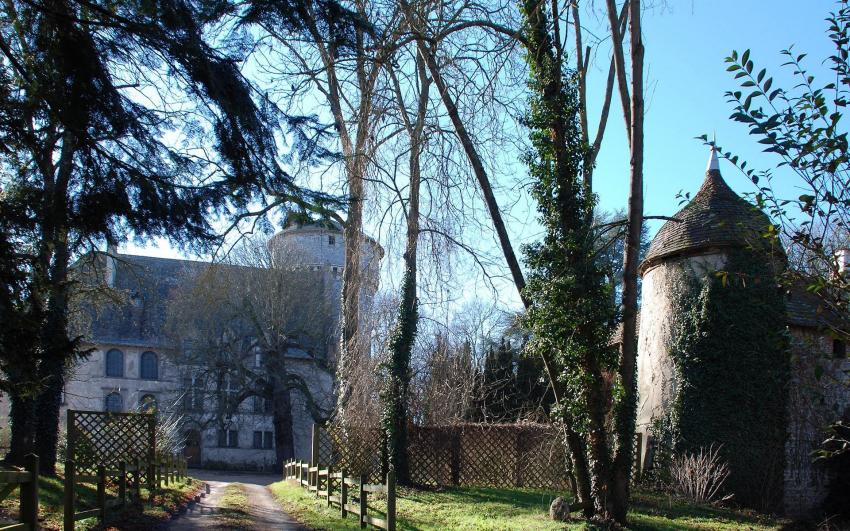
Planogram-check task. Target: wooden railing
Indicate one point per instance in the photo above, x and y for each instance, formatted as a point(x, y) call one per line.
point(350, 495)
point(27, 480)
point(167, 470)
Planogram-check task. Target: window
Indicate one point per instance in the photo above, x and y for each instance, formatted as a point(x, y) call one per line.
point(228, 438)
point(115, 363)
point(147, 404)
point(262, 405)
point(331, 240)
point(149, 366)
point(193, 394)
point(839, 349)
point(263, 440)
point(113, 403)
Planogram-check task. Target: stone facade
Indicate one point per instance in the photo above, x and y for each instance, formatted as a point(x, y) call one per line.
point(130, 361)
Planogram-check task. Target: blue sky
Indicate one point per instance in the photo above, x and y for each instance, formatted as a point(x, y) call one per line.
point(686, 80)
point(686, 42)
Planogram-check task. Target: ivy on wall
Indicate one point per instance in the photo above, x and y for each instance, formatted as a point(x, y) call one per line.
point(730, 351)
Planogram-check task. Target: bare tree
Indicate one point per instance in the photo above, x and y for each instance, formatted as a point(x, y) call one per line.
point(253, 329)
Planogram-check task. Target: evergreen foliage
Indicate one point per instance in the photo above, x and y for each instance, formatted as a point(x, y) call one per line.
point(116, 118)
point(498, 401)
point(733, 368)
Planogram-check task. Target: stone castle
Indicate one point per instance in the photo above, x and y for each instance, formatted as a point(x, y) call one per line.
point(697, 243)
point(131, 364)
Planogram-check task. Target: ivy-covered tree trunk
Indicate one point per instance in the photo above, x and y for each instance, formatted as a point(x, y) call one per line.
point(571, 315)
point(395, 393)
point(22, 424)
point(284, 438)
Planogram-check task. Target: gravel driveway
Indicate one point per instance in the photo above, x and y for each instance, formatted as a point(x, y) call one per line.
point(264, 510)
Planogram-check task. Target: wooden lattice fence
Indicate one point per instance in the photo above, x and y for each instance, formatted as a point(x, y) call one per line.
point(494, 455)
point(102, 438)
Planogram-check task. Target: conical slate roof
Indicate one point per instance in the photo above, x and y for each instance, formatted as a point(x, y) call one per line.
point(716, 217)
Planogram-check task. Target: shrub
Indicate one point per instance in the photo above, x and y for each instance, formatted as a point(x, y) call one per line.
point(699, 476)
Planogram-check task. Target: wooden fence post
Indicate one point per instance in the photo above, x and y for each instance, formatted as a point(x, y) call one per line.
point(391, 500)
point(122, 482)
point(101, 492)
point(519, 450)
point(363, 504)
point(29, 494)
point(70, 474)
point(137, 481)
point(328, 483)
point(152, 480)
point(343, 494)
point(314, 446)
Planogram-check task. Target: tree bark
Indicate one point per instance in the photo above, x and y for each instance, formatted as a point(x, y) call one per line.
point(284, 438)
point(625, 416)
point(22, 422)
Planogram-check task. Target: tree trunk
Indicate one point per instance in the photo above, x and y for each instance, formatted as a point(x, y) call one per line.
point(625, 418)
point(401, 344)
point(22, 422)
point(284, 438)
point(57, 351)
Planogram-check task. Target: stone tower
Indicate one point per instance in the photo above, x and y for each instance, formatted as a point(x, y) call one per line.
point(695, 243)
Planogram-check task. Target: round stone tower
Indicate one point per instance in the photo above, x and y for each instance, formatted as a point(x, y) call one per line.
point(695, 244)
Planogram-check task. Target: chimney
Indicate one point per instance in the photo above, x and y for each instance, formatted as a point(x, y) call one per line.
point(111, 253)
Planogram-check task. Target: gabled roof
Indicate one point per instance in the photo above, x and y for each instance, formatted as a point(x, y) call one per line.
point(716, 217)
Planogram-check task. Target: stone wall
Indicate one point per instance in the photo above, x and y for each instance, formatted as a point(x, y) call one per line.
point(818, 396)
point(656, 371)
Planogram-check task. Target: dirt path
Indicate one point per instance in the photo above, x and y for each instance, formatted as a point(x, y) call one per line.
point(265, 512)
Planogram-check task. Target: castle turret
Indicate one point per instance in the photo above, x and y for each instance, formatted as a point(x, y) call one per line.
point(711, 353)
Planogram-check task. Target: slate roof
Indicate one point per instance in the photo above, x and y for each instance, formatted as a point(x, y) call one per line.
point(148, 283)
point(716, 217)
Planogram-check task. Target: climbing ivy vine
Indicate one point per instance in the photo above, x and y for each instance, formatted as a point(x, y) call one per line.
point(730, 351)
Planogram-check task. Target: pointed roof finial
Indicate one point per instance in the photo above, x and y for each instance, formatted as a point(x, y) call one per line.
point(713, 163)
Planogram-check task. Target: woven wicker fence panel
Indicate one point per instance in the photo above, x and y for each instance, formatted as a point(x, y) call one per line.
point(486, 455)
point(96, 437)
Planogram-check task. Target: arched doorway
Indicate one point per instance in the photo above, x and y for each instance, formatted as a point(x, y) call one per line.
point(192, 450)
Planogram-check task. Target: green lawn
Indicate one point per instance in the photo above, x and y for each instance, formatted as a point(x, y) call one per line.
point(512, 509)
point(51, 496)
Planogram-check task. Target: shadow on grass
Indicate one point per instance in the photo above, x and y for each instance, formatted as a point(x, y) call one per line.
point(658, 511)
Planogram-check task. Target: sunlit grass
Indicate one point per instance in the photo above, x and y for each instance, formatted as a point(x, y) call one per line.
point(513, 509)
point(167, 502)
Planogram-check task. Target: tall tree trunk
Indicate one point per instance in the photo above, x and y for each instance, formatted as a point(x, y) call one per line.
point(22, 417)
point(401, 344)
point(576, 445)
point(625, 418)
point(284, 438)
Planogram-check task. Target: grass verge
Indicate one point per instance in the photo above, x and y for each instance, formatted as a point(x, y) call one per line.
point(513, 509)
